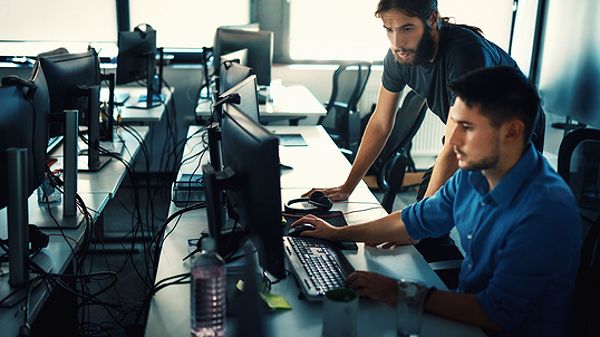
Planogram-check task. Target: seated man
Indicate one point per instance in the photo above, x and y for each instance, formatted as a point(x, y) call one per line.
point(517, 219)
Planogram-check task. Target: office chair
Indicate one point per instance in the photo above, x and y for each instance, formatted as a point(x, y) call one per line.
point(342, 120)
point(579, 165)
point(394, 160)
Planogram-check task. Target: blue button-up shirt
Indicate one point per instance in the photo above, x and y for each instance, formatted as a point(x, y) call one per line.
point(521, 239)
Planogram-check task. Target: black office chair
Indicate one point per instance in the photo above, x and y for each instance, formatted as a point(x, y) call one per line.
point(579, 165)
point(394, 160)
point(342, 120)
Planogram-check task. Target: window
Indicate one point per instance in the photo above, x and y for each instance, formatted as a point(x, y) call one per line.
point(47, 25)
point(188, 23)
point(335, 30)
point(348, 29)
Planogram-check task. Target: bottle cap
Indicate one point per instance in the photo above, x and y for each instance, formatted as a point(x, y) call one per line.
point(208, 244)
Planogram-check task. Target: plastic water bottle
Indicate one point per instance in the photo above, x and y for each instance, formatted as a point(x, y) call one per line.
point(208, 292)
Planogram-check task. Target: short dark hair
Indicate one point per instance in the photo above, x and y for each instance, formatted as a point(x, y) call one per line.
point(501, 93)
point(414, 8)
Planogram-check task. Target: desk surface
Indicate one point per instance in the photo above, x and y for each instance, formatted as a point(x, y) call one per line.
point(288, 102)
point(55, 258)
point(132, 115)
point(169, 310)
point(110, 177)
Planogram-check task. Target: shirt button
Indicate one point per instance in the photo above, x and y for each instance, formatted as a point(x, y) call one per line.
point(470, 266)
point(482, 203)
point(469, 236)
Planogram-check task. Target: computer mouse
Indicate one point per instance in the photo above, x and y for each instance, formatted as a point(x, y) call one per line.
point(295, 231)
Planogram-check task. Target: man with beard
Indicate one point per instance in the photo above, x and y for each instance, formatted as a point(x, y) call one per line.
point(427, 52)
point(517, 219)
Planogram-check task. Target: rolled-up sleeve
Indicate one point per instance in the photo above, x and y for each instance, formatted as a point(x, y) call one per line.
point(433, 216)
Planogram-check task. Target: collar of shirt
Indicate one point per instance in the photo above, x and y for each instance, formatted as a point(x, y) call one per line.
point(510, 184)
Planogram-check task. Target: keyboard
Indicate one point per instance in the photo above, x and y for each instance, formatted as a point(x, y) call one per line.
point(317, 264)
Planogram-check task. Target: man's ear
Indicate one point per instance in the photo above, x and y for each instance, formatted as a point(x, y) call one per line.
point(513, 131)
point(433, 20)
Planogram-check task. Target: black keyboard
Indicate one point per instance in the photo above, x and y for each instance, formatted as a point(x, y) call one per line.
point(318, 265)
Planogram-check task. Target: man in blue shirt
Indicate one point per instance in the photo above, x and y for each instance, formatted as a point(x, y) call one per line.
point(517, 219)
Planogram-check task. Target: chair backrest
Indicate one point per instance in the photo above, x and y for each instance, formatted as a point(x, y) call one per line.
point(349, 83)
point(391, 163)
point(579, 165)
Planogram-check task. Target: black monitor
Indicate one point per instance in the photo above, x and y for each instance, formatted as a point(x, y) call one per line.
point(232, 73)
point(251, 183)
point(239, 56)
point(247, 89)
point(24, 124)
point(136, 61)
point(258, 43)
point(74, 83)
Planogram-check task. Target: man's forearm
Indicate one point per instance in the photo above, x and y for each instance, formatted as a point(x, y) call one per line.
point(371, 144)
point(388, 228)
point(445, 166)
point(460, 307)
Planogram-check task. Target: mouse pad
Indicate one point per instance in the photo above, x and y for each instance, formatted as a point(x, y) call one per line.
point(335, 218)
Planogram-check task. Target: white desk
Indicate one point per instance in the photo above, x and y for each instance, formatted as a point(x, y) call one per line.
point(169, 309)
point(132, 115)
point(110, 177)
point(289, 102)
point(55, 258)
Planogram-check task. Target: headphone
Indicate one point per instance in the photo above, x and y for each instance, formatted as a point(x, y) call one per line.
point(318, 199)
point(13, 80)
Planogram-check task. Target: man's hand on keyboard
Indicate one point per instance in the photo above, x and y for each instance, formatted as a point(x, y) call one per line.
point(374, 286)
point(323, 230)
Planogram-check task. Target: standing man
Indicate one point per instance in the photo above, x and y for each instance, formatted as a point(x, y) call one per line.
point(517, 219)
point(427, 52)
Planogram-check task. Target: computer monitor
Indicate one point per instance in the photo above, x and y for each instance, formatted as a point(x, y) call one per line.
point(136, 61)
point(24, 124)
point(251, 161)
point(258, 43)
point(247, 89)
point(74, 83)
point(239, 56)
point(232, 73)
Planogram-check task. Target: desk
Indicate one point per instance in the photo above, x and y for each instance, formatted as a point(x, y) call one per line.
point(110, 177)
point(169, 309)
point(289, 102)
point(132, 115)
point(55, 258)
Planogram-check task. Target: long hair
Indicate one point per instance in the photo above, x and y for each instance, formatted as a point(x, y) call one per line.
point(422, 9)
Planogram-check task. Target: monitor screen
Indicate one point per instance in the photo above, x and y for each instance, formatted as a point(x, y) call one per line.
point(137, 53)
point(232, 73)
point(568, 81)
point(252, 153)
point(247, 89)
point(23, 124)
point(68, 75)
point(258, 43)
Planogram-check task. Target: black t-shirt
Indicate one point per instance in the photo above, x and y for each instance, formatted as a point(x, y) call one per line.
point(460, 51)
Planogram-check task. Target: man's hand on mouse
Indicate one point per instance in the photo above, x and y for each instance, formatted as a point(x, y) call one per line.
point(323, 230)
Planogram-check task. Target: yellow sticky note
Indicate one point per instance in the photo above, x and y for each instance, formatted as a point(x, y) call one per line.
point(275, 302)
